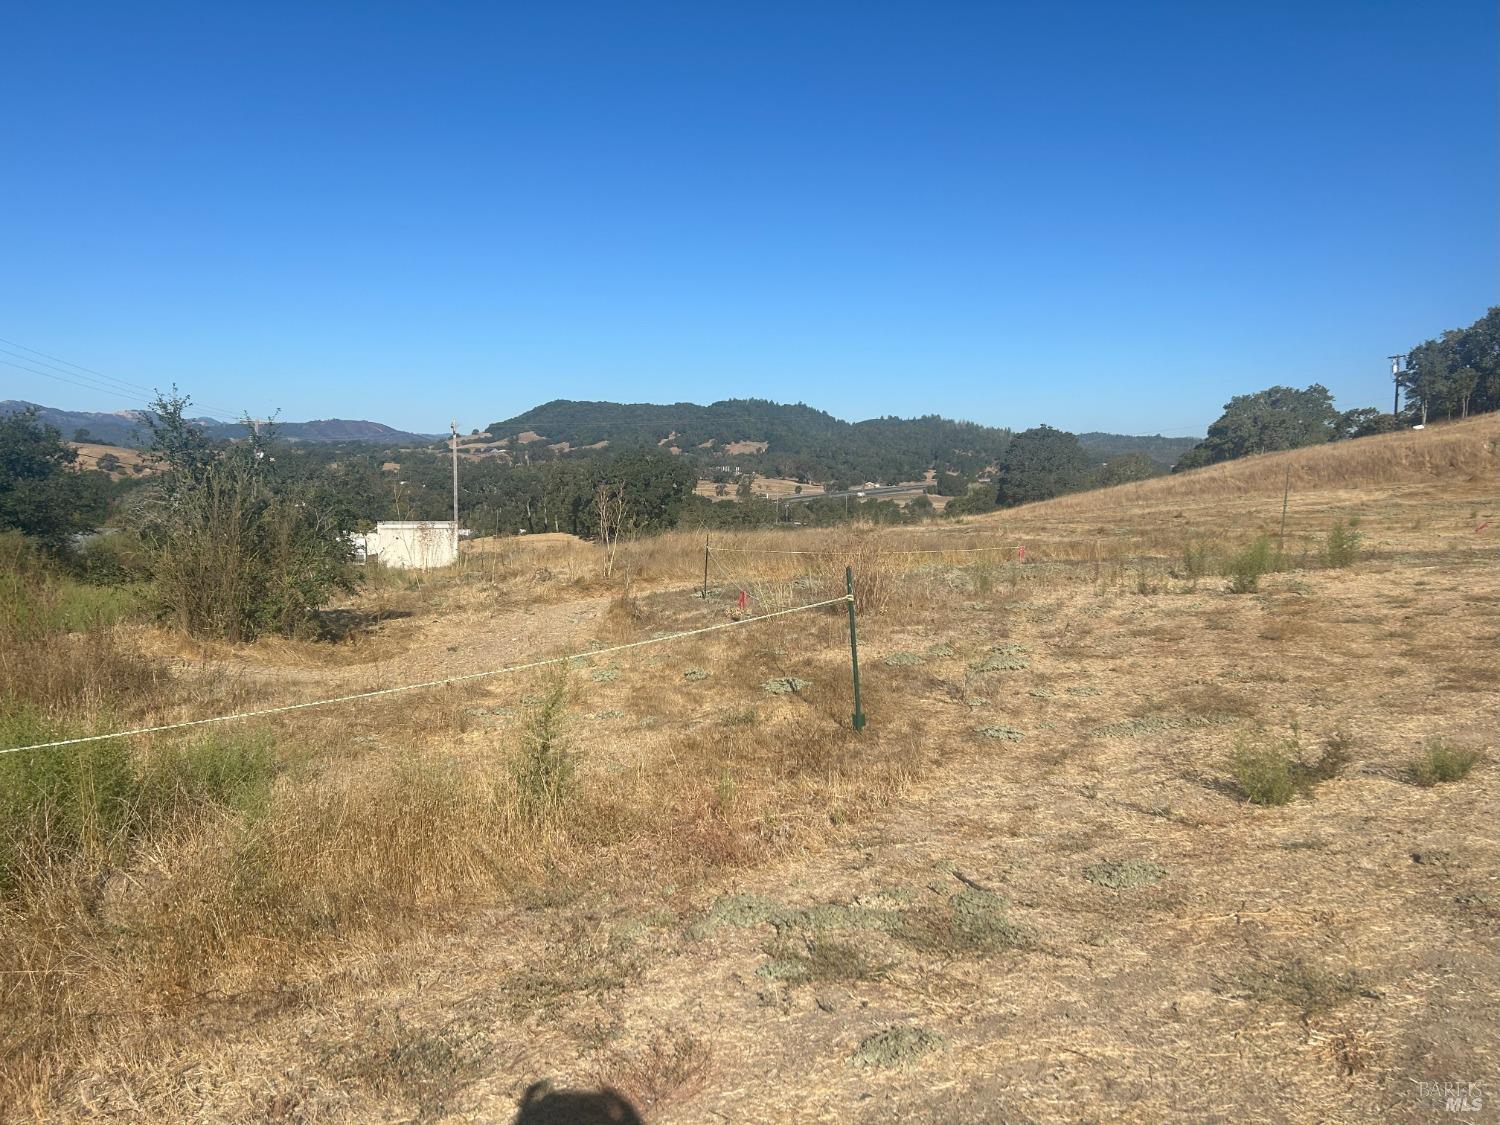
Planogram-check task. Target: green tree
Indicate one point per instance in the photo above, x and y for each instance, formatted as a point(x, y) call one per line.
point(653, 486)
point(41, 495)
point(1456, 374)
point(238, 547)
point(1041, 463)
point(1362, 422)
point(1127, 467)
point(1264, 422)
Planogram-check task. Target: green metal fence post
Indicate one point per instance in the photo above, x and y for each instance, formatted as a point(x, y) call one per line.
point(705, 566)
point(859, 712)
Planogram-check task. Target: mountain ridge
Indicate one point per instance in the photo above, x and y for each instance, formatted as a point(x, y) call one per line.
point(800, 441)
point(127, 427)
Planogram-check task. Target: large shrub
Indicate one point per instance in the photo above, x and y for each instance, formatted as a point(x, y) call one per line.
point(237, 548)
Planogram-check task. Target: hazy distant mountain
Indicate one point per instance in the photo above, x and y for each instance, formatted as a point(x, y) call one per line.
point(126, 427)
point(341, 429)
point(1164, 451)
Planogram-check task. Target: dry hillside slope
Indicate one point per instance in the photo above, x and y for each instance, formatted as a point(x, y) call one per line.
point(1168, 821)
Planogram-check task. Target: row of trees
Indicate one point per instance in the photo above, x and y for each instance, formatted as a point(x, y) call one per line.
point(1453, 376)
point(1044, 462)
point(803, 444)
point(1457, 374)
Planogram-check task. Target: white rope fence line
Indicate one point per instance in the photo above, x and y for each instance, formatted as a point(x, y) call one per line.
point(841, 600)
point(835, 551)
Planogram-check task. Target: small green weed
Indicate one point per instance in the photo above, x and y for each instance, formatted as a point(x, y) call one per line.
point(973, 922)
point(1125, 874)
point(813, 959)
point(1441, 764)
point(1309, 988)
point(785, 685)
point(1341, 547)
point(1246, 567)
point(1274, 774)
point(425, 1067)
point(543, 771)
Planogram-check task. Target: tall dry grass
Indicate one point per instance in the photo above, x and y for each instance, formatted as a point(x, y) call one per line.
point(61, 648)
point(196, 885)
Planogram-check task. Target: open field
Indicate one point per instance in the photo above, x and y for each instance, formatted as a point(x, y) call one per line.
point(127, 461)
point(772, 488)
point(1033, 889)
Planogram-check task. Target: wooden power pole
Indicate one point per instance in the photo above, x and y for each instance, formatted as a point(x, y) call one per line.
point(453, 425)
point(1396, 393)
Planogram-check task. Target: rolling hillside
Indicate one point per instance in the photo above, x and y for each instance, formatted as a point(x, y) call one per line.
point(125, 427)
point(791, 440)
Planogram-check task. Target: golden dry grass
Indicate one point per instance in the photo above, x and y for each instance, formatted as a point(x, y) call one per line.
point(392, 935)
point(129, 462)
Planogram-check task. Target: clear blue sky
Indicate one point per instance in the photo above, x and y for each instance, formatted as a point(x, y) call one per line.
point(1099, 215)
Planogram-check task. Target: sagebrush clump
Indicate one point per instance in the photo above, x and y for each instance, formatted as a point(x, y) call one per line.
point(1441, 764)
point(543, 770)
point(1342, 546)
point(1273, 774)
point(1246, 567)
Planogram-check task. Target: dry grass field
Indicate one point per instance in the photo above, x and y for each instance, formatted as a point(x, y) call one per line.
point(1175, 817)
point(126, 461)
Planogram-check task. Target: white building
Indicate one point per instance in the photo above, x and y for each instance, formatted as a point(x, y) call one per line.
point(412, 544)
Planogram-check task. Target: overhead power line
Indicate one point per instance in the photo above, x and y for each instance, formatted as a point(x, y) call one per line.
point(124, 384)
point(90, 379)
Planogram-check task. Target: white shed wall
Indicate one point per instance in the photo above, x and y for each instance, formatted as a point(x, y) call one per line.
point(411, 544)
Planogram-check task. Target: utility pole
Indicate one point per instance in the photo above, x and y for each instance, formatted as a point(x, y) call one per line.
point(453, 425)
point(1396, 380)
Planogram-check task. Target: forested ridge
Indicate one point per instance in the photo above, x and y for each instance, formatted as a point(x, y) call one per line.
point(801, 443)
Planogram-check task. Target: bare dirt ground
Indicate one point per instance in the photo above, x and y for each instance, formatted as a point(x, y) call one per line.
point(1058, 907)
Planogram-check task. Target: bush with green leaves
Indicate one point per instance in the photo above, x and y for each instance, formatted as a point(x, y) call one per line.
point(1199, 559)
point(1341, 547)
point(543, 770)
point(237, 548)
point(1441, 764)
point(1245, 568)
point(92, 799)
point(41, 494)
point(1272, 774)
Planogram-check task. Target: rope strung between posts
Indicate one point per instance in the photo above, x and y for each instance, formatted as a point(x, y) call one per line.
point(835, 551)
point(842, 600)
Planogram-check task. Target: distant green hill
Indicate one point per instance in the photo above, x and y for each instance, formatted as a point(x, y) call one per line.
point(800, 442)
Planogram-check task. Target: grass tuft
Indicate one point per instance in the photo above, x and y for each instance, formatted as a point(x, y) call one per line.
point(1246, 567)
point(1342, 546)
point(543, 770)
point(1273, 774)
point(1441, 764)
point(895, 1047)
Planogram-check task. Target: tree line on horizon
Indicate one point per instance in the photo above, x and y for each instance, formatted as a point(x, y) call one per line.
point(1453, 376)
